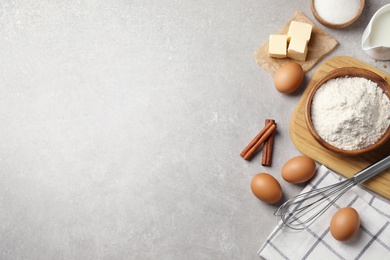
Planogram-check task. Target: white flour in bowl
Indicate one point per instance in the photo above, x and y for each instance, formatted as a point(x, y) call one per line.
point(350, 113)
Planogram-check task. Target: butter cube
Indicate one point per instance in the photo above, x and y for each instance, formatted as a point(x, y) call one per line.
point(297, 49)
point(301, 30)
point(277, 46)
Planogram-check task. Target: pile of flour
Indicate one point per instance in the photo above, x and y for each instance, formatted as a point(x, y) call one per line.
point(350, 113)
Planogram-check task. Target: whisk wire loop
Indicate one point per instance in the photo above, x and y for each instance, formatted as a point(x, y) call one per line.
point(294, 212)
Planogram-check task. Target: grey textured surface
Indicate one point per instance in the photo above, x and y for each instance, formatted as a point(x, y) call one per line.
point(121, 124)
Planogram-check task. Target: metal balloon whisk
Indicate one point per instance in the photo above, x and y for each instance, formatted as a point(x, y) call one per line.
point(302, 210)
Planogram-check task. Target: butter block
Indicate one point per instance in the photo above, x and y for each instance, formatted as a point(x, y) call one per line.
point(299, 29)
point(297, 49)
point(277, 46)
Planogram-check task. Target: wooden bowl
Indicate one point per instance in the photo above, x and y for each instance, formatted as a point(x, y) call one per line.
point(346, 72)
point(333, 25)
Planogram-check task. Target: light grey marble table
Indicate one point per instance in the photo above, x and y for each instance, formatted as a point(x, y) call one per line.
point(121, 124)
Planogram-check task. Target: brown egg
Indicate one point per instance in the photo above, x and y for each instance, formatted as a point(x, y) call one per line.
point(298, 169)
point(266, 188)
point(289, 77)
point(345, 224)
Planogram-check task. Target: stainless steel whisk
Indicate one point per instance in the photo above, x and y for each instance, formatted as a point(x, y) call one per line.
point(300, 211)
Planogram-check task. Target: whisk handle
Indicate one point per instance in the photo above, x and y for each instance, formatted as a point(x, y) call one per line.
point(372, 170)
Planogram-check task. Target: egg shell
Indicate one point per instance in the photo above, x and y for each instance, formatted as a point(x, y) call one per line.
point(289, 77)
point(266, 188)
point(298, 169)
point(345, 224)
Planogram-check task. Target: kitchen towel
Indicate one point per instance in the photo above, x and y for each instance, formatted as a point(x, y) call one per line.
point(371, 242)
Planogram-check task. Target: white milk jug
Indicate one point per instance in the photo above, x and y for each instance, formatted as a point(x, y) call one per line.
point(376, 37)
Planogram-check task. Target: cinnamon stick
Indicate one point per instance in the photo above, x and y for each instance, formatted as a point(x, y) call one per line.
point(255, 140)
point(268, 147)
point(258, 141)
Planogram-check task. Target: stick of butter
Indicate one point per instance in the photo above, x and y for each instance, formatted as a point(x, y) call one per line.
point(277, 46)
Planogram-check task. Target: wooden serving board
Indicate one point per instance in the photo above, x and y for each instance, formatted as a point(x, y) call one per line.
point(344, 165)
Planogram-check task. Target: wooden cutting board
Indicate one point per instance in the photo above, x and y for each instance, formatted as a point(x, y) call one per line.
point(345, 165)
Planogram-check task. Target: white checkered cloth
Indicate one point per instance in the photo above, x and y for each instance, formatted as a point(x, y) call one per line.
point(316, 242)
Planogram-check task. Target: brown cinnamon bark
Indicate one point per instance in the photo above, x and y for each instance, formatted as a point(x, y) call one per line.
point(268, 147)
point(259, 139)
